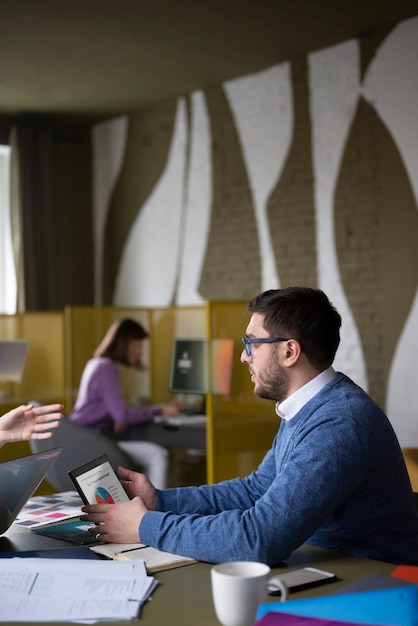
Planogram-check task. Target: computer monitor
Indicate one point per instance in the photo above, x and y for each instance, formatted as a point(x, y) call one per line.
point(12, 360)
point(199, 366)
point(189, 372)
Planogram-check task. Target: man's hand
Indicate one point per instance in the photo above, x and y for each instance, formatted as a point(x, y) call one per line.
point(137, 484)
point(28, 422)
point(117, 523)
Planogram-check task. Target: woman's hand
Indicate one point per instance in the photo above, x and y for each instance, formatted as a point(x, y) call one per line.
point(28, 422)
point(117, 523)
point(170, 409)
point(118, 427)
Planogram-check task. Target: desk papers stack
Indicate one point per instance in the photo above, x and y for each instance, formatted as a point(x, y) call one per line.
point(34, 590)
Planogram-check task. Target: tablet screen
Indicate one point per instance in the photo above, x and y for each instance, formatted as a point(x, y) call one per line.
point(97, 482)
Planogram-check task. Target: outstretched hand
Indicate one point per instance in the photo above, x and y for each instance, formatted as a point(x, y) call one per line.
point(29, 422)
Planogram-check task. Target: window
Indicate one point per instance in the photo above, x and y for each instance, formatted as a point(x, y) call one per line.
point(8, 284)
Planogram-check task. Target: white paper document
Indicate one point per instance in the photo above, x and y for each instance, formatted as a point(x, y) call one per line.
point(48, 590)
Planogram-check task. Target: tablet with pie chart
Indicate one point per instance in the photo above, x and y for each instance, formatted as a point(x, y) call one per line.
point(98, 483)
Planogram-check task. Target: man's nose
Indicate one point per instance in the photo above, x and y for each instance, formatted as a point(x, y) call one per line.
point(244, 358)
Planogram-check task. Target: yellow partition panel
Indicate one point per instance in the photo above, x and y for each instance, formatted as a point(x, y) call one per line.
point(85, 327)
point(10, 393)
point(15, 450)
point(168, 324)
point(241, 427)
point(43, 375)
point(9, 326)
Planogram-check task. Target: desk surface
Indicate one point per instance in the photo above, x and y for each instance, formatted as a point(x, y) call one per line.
point(183, 597)
point(184, 436)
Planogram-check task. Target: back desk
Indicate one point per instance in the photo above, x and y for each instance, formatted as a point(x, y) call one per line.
point(182, 436)
point(183, 597)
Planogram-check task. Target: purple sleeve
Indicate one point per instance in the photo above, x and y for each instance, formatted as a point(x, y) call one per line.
point(100, 397)
point(115, 402)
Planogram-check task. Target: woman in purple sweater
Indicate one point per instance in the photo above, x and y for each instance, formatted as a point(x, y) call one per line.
point(100, 403)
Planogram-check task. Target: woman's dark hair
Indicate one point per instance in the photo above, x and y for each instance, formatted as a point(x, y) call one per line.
point(304, 314)
point(114, 344)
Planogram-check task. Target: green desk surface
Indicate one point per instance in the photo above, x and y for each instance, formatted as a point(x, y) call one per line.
point(183, 597)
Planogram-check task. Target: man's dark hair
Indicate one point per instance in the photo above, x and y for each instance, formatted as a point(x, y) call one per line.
point(304, 314)
point(115, 343)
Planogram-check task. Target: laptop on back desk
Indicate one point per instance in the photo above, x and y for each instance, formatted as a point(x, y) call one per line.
point(12, 360)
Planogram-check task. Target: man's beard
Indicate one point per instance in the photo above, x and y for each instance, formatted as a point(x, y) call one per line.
point(273, 383)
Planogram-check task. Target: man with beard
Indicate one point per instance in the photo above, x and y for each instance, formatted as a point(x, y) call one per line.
point(334, 477)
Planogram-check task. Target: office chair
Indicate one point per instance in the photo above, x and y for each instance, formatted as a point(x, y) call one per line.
point(79, 444)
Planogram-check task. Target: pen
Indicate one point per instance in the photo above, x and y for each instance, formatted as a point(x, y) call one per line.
point(131, 549)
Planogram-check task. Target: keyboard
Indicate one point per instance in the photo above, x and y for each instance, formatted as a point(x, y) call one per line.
point(183, 420)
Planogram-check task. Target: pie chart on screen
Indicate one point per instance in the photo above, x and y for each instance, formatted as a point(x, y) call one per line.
point(103, 496)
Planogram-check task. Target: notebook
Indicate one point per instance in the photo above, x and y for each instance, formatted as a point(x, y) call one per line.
point(18, 480)
point(12, 360)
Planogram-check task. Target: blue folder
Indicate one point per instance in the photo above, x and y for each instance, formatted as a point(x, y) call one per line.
point(391, 607)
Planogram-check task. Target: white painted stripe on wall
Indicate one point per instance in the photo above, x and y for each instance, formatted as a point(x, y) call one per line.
point(198, 205)
point(147, 270)
point(262, 107)
point(109, 145)
point(334, 90)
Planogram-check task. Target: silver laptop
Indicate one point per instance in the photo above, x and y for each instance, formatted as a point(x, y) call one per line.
point(12, 360)
point(18, 480)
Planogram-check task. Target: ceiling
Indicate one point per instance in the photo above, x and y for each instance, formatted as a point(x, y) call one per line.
point(99, 58)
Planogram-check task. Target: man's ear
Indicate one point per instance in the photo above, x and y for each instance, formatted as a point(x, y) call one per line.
point(293, 351)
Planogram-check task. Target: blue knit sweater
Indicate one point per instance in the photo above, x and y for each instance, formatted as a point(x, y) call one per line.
point(334, 478)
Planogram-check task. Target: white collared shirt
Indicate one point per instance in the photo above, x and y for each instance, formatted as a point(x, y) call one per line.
point(289, 407)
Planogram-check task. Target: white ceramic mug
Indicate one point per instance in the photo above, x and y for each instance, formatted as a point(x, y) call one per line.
point(238, 588)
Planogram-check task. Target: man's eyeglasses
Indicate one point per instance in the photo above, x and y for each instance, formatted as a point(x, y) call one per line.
point(248, 341)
